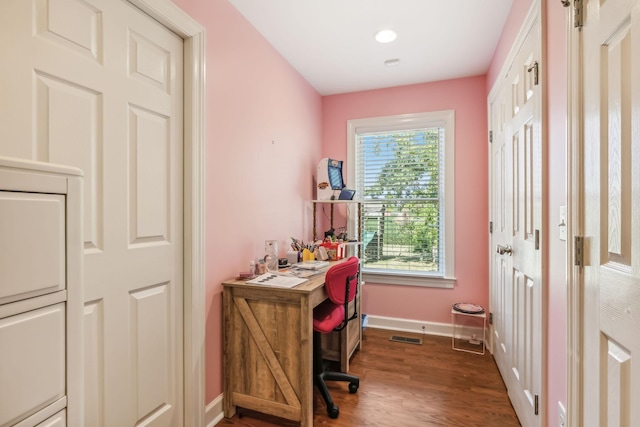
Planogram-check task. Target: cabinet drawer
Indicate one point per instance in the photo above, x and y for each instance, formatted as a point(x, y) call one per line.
point(32, 244)
point(58, 420)
point(32, 362)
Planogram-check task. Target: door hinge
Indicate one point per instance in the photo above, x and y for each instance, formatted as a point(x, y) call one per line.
point(490, 136)
point(578, 251)
point(491, 318)
point(537, 233)
point(577, 13)
point(536, 405)
point(534, 68)
point(490, 226)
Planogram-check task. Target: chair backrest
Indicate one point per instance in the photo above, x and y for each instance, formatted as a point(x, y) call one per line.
point(340, 278)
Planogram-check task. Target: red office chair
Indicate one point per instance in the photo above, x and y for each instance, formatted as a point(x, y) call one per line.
point(341, 284)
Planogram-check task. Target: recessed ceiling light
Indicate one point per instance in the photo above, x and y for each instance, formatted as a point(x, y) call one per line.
point(391, 62)
point(385, 36)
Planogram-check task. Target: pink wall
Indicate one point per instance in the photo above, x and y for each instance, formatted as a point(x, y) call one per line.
point(262, 146)
point(468, 98)
point(555, 75)
point(556, 79)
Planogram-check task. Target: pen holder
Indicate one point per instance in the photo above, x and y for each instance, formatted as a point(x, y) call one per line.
point(293, 257)
point(307, 255)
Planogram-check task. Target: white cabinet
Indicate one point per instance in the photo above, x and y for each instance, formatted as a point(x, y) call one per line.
point(32, 361)
point(58, 420)
point(33, 255)
point(40, 295)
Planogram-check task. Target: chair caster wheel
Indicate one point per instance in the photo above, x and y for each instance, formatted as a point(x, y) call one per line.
point(353, 387)
point(333, 411)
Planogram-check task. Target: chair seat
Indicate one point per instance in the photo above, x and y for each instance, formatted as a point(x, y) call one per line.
point(327, 316)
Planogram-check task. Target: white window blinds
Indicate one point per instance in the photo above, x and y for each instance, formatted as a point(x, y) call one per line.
point(400, 179)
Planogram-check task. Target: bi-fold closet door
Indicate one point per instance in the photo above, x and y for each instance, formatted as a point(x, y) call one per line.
point(40, 295)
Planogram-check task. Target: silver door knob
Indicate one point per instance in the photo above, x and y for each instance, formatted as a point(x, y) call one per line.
point(506, 249)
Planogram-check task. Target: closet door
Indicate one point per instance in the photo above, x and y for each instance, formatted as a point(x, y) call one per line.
point(516, 242)
point(97, 84)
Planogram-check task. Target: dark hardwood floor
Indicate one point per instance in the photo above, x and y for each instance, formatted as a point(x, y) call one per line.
point(408, 385)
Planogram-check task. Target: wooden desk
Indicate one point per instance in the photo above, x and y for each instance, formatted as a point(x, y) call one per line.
point(268, 342)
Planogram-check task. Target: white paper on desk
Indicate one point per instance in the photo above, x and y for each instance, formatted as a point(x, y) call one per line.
point(299, 272)
point(278, 280)
point(312, 265)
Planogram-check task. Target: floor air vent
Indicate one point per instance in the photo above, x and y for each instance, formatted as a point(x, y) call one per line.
point(407, 340)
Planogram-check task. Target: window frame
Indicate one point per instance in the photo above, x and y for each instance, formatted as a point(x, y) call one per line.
point(446, 119)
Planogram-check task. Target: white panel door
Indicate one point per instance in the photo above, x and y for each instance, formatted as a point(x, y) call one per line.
point(97, 84)
point(611, 211)
point(501, 287)
point(516, 213)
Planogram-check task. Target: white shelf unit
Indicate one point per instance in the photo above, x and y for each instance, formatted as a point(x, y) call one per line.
point(332, 203)
point(340, 346)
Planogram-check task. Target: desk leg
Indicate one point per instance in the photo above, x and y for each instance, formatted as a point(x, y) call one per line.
point(228, 405)
point(306, 362)
point(344, 349)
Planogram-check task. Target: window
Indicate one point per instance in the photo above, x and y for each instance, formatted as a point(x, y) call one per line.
point(402, 167)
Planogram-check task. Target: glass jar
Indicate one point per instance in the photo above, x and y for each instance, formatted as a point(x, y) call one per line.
point(271, 254)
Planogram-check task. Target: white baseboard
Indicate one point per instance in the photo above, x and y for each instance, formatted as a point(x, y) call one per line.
point(416, 326)
point(407, 325)
point(213, 413)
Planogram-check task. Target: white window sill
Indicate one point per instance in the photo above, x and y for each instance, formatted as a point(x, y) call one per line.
point(408, 279)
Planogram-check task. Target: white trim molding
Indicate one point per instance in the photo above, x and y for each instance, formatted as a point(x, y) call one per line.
point(446, 119)
point(408, 325)
point(193, 34)
point(416, 326)
point(214, 412)
point(385, 278)
point(574, 215)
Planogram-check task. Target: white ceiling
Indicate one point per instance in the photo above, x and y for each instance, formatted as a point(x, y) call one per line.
point(330, 42)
